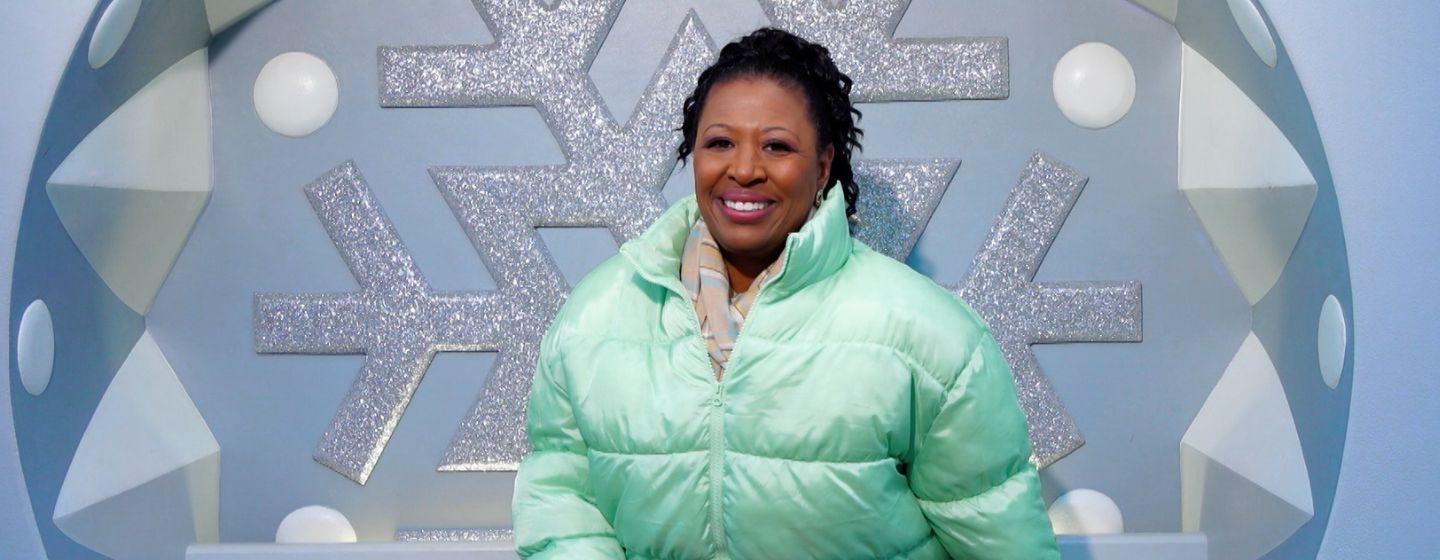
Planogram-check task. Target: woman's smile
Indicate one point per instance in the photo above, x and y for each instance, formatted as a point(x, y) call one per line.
point(744, 207)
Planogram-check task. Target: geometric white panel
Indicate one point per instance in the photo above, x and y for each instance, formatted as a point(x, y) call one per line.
point(1166, 9)
point(145, 479)
point(1244, 482)
point(130, 192)
point(35, 347)
point(159, 139)
point(1227, 142)
point(223, 13)
point(111, 30)
point(1253, 230)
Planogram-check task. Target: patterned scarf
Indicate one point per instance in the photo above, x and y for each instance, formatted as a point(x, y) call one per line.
point(721, 314)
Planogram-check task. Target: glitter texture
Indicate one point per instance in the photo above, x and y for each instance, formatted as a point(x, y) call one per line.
point(395, 320)
point(612, 179)
point(455, 535)
point(1021, 312)
point(897, 198)
point(860, 36)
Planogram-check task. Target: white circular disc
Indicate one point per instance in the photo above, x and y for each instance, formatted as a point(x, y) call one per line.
point(111, 31)
point(1256, 32)
point(315, 524)
point(1085, 512)
point(1094, 85)
point(296, 93)
point(35, 347)
point(1330, 342)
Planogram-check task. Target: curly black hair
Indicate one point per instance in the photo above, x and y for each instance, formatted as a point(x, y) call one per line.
point(795, 62)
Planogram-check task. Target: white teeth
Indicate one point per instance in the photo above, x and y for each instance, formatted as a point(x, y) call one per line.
point(745, 206)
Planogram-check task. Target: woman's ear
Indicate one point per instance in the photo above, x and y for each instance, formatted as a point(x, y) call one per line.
point(826, 156)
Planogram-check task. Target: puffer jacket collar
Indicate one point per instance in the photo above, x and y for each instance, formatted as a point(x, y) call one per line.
point(817, 250)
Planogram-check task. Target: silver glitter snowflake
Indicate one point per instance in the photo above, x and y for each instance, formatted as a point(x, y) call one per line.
point(1021, 312)
point(395, 319)
point(613, 176)
point(861, 38)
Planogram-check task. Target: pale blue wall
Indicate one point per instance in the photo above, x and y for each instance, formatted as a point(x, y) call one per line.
point(35, 42)
point(1368, 68)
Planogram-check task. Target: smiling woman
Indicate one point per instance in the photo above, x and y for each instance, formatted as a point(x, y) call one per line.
point(770, 125)
point(758, 170)
point(868, 413)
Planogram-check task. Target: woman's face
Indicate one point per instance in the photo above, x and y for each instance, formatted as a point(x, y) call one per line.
point(757, 164)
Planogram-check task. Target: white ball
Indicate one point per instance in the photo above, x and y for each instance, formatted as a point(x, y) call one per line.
point(35, 347)
point(1330, 341)
point(315, 524)
point(296, 93)
point(1094, 85)
point(1085, 512)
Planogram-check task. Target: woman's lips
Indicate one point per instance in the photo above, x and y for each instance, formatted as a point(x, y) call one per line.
point(741, 216)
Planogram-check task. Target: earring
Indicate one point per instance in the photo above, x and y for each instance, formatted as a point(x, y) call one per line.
point(819, 197)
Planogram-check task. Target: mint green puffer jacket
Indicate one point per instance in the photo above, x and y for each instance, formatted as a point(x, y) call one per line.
point(865, 413)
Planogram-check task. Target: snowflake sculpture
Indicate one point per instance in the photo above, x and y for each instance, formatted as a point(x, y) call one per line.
point(612, 178)
point(1020, 312)
point(395, 319)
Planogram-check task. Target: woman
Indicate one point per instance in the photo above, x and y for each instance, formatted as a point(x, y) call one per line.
point(862, 411)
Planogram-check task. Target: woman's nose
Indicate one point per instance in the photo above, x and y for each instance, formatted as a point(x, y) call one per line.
point(745, 169)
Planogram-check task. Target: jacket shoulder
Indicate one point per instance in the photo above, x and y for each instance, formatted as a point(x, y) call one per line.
point(604, 296)
point(931, 324)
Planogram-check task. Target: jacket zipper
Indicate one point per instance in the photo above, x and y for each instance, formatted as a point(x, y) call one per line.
point(716, 457)
point(717, 415)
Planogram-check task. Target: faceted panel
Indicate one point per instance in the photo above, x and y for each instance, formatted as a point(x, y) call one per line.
point(1253, 230)
point(130, 192)
point(221, 14)
point(1244, 481)
point(145, 479)
point(1227, 142)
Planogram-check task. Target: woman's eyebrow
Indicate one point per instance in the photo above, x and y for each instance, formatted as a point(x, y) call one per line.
point(721, 125)
point(770, 128)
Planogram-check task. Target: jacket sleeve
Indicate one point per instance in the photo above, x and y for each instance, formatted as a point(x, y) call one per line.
point(971, 471)
point(554, 505)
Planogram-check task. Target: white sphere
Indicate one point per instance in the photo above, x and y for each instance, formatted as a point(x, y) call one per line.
point(35, 347)
point(296, 93)
point(1330, 341)
point(111, 31)
point(1094, 85)
point(315, 524)
point(1085, 512)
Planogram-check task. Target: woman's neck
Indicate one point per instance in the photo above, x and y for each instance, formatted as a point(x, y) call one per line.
point(742, 270)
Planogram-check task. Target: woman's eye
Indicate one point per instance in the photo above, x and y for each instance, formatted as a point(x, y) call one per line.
point(718, 143)
point(778, 146)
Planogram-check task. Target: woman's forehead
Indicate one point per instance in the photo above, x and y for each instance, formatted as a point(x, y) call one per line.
point(755, 101)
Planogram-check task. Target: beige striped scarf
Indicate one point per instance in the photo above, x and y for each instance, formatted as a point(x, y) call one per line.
point(721, 314)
